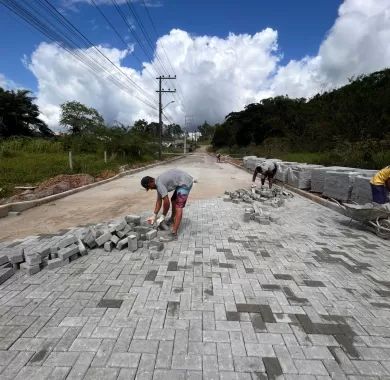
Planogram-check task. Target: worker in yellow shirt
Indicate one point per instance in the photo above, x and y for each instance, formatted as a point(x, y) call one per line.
point(380, 186)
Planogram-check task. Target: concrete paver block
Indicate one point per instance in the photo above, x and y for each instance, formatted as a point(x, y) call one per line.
point(67, 252)
point(74, 257)
point(16, 255)
point(151, 234)
point(30, 269)
point(132, 243)
point(135, 219)
point(57, 263)
point(122, 244)
point(82, 249)
point(5, 274)
point(33, 258)
point(123, 233)
point(108, 246)
point(3, 258)
point(67, 241)
point(103, 238)
point(115, 239)
point(119, 226)
point(89, 239)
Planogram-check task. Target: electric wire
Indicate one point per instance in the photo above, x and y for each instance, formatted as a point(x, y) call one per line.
point(112, 26)
point(71, 43)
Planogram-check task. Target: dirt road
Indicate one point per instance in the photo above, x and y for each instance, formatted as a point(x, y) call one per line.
point(121, 197)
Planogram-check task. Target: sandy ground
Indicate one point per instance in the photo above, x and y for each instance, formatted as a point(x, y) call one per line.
point(121, 197)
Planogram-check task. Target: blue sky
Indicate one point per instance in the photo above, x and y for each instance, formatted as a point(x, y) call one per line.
point(226, 54)
point(301, 26)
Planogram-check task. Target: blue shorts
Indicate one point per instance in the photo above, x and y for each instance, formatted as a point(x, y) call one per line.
point(379, 194)
point(180, 196)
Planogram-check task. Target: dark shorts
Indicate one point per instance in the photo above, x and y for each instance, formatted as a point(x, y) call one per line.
point(379, 194)
point(270, 173)
point(180, 196)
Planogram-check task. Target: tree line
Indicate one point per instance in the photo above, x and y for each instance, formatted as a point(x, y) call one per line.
point(85, 128)
point(354, 113)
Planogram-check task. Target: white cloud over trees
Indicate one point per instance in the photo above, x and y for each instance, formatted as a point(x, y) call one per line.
point(219, 75)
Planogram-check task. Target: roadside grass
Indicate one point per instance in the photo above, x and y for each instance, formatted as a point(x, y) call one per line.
point(23, 168)
point(29, 161)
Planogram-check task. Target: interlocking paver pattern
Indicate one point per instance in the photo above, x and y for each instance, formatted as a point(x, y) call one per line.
point(305, 298)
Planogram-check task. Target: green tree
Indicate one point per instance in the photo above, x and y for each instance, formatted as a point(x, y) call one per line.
point(19, 116)
point(173, 131)
point(79, 118)
point(206, 130)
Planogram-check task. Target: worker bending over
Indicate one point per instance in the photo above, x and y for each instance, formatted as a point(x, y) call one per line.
point(380, 186)
point(267, 169)
point(172, 180)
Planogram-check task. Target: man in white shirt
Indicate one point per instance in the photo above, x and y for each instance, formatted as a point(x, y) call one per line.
point(267, 169)
point(172, 180)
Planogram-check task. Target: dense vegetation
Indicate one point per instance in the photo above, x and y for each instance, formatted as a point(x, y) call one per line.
point(349, 125)
point(30, 152)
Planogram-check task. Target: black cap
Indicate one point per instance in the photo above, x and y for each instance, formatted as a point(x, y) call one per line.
point(145, 182)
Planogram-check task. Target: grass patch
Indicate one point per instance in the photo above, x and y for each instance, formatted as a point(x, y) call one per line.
point(23, 168)
point(27, 161)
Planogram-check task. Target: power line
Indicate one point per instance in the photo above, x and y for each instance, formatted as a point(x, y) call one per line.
point(179, 90)
point(112, 26)
point(74, 42)
point(146, 35)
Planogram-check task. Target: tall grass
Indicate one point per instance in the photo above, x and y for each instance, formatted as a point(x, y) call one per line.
point(25, 161)
point(31, 145)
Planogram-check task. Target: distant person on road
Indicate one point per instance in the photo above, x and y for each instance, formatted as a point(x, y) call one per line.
point(219, 157)
point(267, 169)
point(180, 183)
point(380, 186)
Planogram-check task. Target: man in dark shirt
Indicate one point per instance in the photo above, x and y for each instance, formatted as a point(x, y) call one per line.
point(267, 169)
point(172, 180)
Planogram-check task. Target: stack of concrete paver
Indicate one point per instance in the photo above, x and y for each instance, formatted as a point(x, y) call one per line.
point(338, 182)
point(318, 176)
point(6, 268)
point(361, 189)
point(58, 251)
point(283, 170)
point(251, 162)
point(299, 176)
point(338, 185)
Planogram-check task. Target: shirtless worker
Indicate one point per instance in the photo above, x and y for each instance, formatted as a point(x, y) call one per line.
point(267, 169)
point(380, 186)
point(172, 180)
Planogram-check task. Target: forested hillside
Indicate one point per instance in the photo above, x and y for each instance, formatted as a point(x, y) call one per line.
point(357, 115)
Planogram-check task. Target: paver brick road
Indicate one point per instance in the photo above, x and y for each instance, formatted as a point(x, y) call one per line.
point(304, 299)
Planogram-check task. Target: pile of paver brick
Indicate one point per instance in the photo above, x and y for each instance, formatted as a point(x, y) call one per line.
point(337, 182)
point(274, 198)
point(58, 251)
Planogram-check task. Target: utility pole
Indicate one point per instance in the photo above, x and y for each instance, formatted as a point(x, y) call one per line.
point(160, 108)
point(188, 122)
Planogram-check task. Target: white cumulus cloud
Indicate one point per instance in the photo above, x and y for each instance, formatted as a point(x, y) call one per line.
point(218, 75)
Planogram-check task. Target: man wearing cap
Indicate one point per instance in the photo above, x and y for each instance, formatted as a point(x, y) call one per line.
point(172, 180)
point(267, 169)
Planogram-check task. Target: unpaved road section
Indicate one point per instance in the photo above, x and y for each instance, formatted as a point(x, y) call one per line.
point(121, 197)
